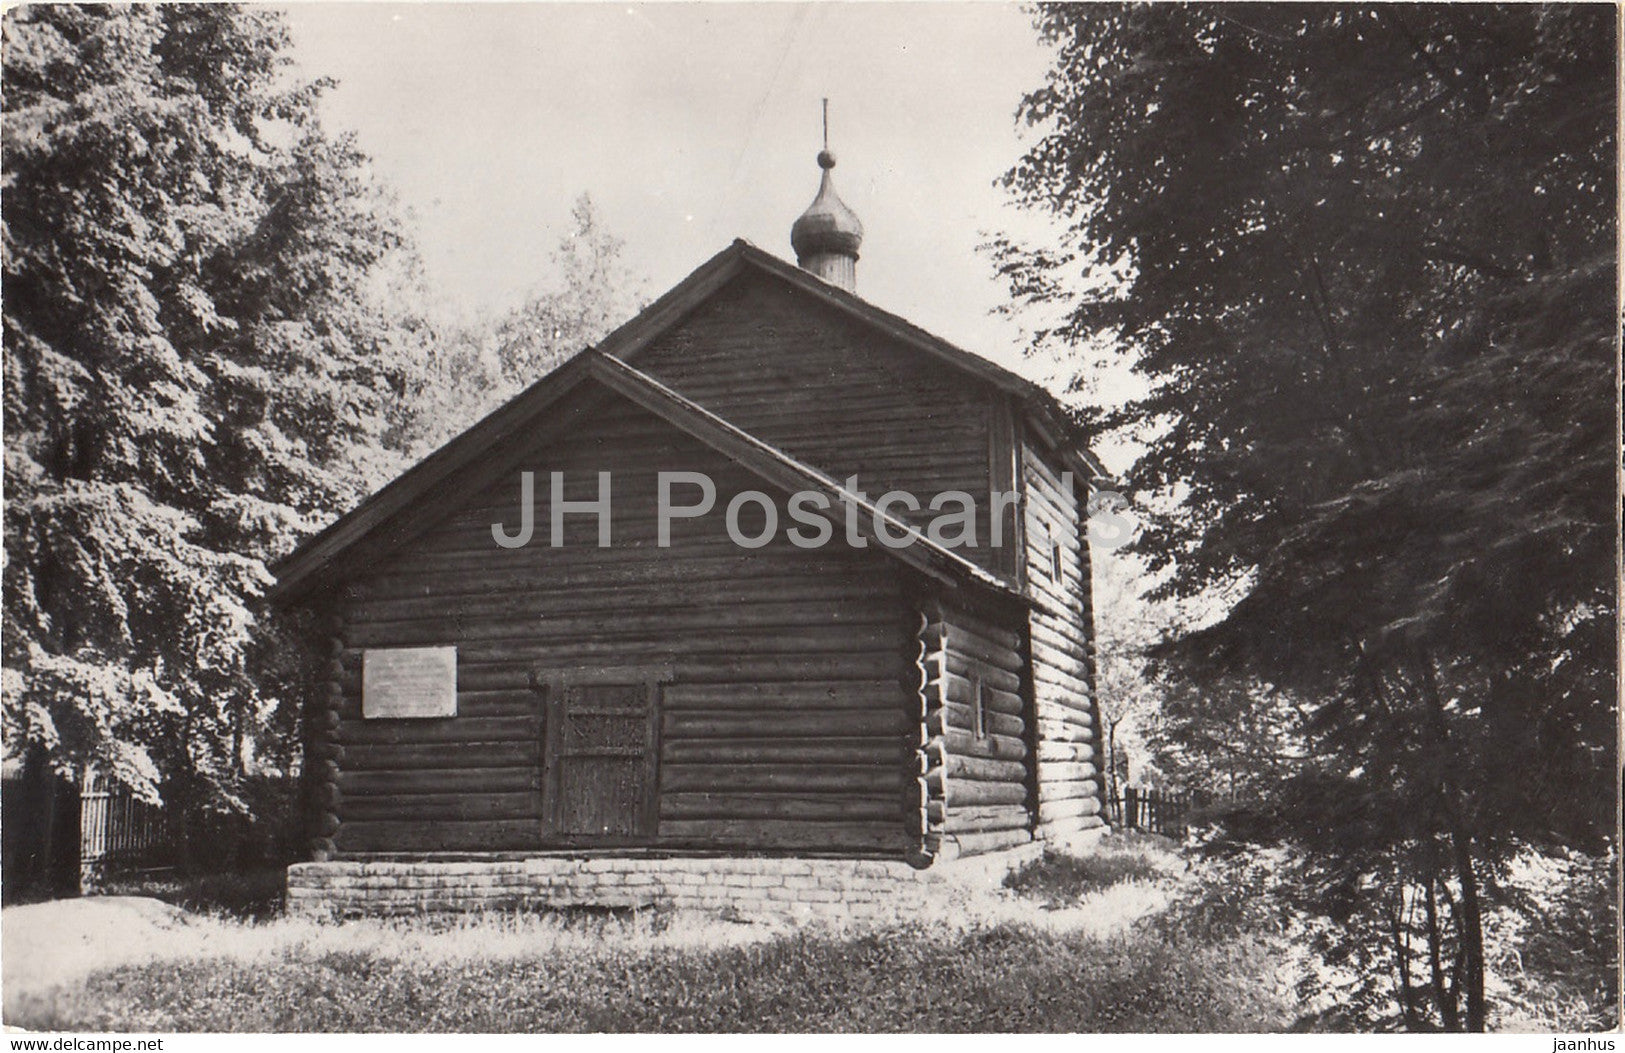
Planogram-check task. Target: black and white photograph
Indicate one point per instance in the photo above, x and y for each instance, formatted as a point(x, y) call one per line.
point(810, 518)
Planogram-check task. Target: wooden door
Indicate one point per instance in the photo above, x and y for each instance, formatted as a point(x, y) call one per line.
point(601, 779)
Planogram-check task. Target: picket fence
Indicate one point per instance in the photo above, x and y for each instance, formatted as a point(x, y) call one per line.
point(118, 830)
point(1152, 811)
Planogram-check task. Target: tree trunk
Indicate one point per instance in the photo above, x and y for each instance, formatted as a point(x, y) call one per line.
point(1448, 1014)
point(1472, 933)
point(1402, 963)
point(1469, 920)
point(1112, 785)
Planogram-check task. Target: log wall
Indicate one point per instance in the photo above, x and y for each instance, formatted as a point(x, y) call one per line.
point(1061, 635)
point(786, 722)
point(987, 773)
point(837, 396)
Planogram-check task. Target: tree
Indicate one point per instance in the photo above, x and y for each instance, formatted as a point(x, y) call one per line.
point(471, 369)
point(1230, 739)
point(1128, 627)
point(1365, 261)
point(195, 375)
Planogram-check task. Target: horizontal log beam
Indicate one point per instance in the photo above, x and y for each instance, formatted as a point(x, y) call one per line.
point(836, 723)
point(1068, 809)
point(983, 820)
point(523, 753)
point(785, 694)
point(1069, 825)
point(962, 665)
point(964, 794)
point(983, 770)
point(876, 752)
point(356, 784)
point(1073, 752)
point(1065, 791)
point(961, 718)
point(961, 689)
point(777, 806)
point(793, 778)
point(956, 640)
point(727, 634)
point(413, 836)
point(992, 841)
point(451, 576)
point(1000, 747)
point(450, 731)
point(757, 834)
point(443, 807)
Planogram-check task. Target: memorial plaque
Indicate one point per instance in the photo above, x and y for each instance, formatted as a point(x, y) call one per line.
point(406, 682)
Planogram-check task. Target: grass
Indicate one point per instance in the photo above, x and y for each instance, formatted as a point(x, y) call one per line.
point(992, 965)
point(1059, 879)
point(254, 893)
point(1005, 978)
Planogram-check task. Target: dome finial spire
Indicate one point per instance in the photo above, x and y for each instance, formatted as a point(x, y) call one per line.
point(827, 236)
point(826, 160)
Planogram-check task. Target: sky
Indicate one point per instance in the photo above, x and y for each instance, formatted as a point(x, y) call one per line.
point(691, 124)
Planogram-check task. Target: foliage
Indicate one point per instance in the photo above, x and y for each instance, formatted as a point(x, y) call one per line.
point(1364, 261)
point(1549, 930)
point(1231, 897)
point(197, 372)
point(1554, 940)
point(470, 369)
point(1229, 739)
point(1127, 626)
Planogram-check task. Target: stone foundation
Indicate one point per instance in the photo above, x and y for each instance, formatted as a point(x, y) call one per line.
point(797, 888)
point(849, 888)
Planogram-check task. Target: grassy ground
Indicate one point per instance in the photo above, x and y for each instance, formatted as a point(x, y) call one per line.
point(1061, 880)
point(255, 894)
point(1055, 952)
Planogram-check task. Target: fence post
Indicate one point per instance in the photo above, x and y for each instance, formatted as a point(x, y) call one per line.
point(1131, 807)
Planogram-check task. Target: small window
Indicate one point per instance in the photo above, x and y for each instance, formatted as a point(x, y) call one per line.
point(978, 707)
point(1056, 567)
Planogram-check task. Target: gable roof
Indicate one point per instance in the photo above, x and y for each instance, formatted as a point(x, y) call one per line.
point(398, 508)
point(625, 343)
point(461, 467)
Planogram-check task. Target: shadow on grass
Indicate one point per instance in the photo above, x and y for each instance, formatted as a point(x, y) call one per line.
point(256, 894)
point(1061, 879)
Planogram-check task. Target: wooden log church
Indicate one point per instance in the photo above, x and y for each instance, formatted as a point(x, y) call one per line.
point(647, 676)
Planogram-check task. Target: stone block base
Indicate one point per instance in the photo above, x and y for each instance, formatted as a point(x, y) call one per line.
point(869, 890)
point(797, 888)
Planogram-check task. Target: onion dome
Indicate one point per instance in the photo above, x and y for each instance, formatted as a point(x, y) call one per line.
point(827, 225)
point(826, 237)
